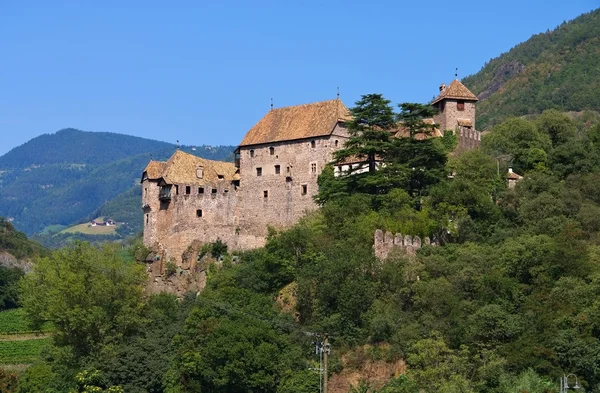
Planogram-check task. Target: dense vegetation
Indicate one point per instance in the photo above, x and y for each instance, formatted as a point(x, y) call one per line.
point(556, 69)
point(507, 301)
point(65, 177)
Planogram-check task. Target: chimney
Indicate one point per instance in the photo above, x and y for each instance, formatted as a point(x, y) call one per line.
point(442, 87)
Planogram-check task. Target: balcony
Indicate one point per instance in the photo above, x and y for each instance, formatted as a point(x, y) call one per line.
point(164, 194)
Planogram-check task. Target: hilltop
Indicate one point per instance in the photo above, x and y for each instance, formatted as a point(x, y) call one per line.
point(63, 178)
point(557, 69)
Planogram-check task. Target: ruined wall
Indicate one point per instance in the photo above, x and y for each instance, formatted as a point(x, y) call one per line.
point(384, 243)
point(280, 197)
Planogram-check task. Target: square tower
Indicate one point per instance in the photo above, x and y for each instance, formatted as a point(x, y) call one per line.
point(455, 107)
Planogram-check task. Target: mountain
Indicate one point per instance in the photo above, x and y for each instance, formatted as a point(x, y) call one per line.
point(557, 69)
point(62, 178)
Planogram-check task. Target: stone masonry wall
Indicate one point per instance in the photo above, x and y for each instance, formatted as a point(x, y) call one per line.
point(281, 199)
point(384, 243)
point(468, 138)
point(448, 118)
point(170, 227)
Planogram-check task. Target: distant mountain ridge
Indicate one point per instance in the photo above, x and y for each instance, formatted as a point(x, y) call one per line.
point(557, 69)
point(62, 178)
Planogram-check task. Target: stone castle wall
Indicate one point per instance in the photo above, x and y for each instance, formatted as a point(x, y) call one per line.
point(468, 138)
point(384, 243)
point(280, 199)
point(170, 227)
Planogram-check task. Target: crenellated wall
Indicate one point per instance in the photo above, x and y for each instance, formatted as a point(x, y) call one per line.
point(385, 242)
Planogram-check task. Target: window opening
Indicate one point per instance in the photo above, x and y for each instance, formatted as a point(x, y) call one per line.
point(265, 194)
point(213, 191)
point(220, 177)
point(199, 213)
point(147, 218)
point(271, 150)
point(200, 190)
point(251, 153)
point(258, 171)
point(336, 143)
point(313, 167)
point(188, 190)
point(277, 169)
point(460, 106)
point(176, 189)
point(313, 144)
point(304, 189)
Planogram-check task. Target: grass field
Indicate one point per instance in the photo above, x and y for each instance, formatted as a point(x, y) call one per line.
point(14, 322)
point(89, 230)
point(21, 352)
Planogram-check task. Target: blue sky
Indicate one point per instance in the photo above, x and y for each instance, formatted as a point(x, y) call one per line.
point(204, 72)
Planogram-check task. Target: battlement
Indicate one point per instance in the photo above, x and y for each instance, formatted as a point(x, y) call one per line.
point(385, 242)
point(468, 138)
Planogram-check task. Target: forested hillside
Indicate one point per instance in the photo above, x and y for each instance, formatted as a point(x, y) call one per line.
point(507, 301)
point(61, 178)
point(556, 69)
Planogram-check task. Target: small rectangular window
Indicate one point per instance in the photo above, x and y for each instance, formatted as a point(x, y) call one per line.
point(313, 167)
point(265, 194)
point(258, 171)
point(336, 143)
point(147, 218)
point(287, 169)
point(145, 192)
point(304, 189)
point(199, 213)
point(176, 189)
point(188, 190)
point(313, 144)
point(200, 190)
point(460, 106)
point(277, 169)
point(271, 150)
point(251, 153)
point(213, 191)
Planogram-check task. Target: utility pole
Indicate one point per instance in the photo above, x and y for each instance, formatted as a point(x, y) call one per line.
point(323, 350)
point(326, 350)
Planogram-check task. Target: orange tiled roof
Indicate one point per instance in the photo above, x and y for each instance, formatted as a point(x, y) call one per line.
point(457, 91)
point(154, 169)
point(182, 168)
point(297, 122)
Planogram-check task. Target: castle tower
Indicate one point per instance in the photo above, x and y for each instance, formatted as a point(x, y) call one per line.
point(456, 107)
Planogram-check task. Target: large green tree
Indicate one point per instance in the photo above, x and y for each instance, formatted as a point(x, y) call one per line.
point(89, 295)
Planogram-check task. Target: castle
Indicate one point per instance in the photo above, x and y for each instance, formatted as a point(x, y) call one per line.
point(188, 201)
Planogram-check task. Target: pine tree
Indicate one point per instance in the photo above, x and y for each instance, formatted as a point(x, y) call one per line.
point(370, 130)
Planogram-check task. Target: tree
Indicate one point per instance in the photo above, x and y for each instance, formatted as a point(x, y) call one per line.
point(413, 116)
point(372, 120)
point(558, 126)
point(520, 139)
point(93, 382)
point(88, 295)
